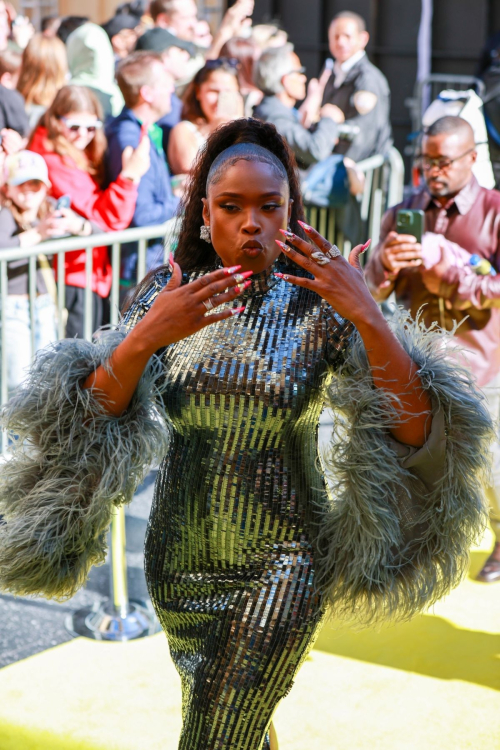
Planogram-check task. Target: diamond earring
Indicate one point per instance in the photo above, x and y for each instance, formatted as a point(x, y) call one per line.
point(205, 233)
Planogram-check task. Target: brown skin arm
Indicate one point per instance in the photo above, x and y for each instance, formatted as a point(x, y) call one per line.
point(177, 313)
point(341, 283)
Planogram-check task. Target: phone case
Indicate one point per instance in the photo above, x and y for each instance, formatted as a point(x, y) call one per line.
point(410, 221)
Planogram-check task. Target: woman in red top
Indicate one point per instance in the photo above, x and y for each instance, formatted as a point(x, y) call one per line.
point(70, 138)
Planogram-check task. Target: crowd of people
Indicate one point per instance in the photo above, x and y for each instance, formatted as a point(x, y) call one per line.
point(119, 112)
point(150, 117)
point(114, 117)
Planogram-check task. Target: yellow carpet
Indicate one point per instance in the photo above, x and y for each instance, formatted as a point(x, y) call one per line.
point(430, 684)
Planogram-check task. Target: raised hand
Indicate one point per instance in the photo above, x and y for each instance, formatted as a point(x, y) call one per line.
point(340, 282)
point(179, 311)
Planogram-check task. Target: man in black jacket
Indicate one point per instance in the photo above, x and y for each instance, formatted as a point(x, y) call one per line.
point(357, 89)
point(281, 77)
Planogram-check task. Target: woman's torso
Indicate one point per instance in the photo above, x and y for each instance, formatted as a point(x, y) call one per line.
point(68, 179)
point(243, 397)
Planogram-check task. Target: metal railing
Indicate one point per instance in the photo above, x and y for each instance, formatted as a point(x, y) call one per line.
point(384, 185)
point(118, 619)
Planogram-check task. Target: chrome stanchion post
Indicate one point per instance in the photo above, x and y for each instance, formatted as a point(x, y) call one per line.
point(119, 585)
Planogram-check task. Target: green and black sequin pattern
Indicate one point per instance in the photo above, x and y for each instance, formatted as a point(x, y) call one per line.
point(230, 559)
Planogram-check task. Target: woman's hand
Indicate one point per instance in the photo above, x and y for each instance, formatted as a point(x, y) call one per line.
point(179, 311)
point(341, 283)
point(64, 221)
point(230, 106)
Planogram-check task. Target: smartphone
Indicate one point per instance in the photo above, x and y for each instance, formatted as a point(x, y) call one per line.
point(410, 221)
point(63, 202)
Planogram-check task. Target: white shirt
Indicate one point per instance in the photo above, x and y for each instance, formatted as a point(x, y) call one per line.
point(340, 70)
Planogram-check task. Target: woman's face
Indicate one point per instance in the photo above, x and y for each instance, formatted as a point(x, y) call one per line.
point(245, 209)
point(79, 128)
point(219, 83)
point(28, 196)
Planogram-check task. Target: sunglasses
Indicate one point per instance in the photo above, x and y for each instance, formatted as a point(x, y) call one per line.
point(221, 62)
point(76, 126)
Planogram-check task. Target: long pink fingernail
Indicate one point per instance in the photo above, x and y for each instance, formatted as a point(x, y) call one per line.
point(278, 275)
point(241, 287)
point(305, 226)
point(233, 269)
point(366, 246)
point(288, 234)
point(237, 310)
point(283, 246)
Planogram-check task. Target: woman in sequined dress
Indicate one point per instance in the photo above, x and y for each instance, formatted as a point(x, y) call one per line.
point(229, 551)
point(233, 562)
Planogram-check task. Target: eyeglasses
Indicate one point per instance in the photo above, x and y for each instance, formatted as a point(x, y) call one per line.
point(441, 162)
point(233, 62)
point(300, 70)
point(76, 126)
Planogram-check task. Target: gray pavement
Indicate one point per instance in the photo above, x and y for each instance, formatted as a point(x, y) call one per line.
point(31, 625)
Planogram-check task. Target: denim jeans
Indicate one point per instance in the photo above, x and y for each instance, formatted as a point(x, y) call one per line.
point(18, 333)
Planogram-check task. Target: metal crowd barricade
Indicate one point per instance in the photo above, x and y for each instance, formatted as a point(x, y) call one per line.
point(384, 186)
point(119, 619)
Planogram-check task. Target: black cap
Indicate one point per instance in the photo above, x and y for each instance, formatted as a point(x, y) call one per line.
point(118, 23)
point(158, 40)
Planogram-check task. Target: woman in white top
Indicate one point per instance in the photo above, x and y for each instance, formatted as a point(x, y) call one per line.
point(211, 99)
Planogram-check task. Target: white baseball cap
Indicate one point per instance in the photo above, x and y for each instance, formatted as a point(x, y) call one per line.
point(24, 166)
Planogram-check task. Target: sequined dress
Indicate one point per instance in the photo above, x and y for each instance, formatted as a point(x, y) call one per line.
point(230, 559)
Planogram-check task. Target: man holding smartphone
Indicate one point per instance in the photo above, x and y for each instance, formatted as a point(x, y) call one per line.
point(460, 219)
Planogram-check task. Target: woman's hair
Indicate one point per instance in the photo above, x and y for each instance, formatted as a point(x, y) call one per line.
point(5, 202)
point(75, 99)
point(195, 254)
point(191, 109)
point(43, 70)
point(246, 51)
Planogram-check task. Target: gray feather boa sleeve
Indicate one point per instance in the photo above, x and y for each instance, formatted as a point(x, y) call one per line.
point(71, 464)
point(399, 528)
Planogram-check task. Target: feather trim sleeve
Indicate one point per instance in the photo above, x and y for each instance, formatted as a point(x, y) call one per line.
point(397, 534)
point(71, 463)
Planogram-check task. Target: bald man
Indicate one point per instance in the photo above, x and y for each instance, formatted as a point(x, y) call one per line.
point(357, 89)
point(457, 212)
